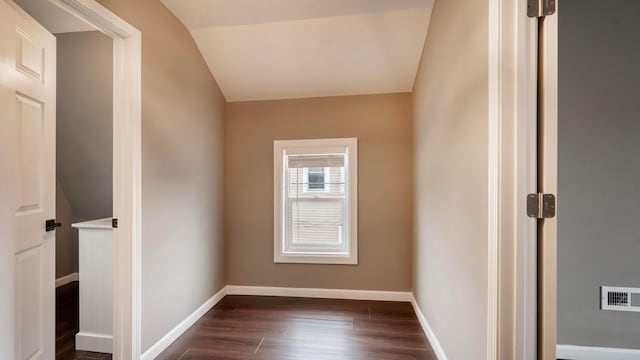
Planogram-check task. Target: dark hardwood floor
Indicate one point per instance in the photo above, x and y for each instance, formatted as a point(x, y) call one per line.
point(67, 326)
point(278, 328)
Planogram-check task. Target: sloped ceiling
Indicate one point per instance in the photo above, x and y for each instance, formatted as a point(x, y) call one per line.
point(280, 49)
point(53, 18)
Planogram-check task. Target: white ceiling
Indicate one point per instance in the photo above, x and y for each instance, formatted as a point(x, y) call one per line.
point(279, 49)
point(53, 18)
point(205, 13)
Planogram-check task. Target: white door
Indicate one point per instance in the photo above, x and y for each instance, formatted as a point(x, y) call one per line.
point(27, 180)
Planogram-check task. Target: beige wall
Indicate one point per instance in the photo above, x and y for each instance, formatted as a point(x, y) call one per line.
point(66, 237)
point(451, 150)
point(382, 124)
point(182, 163)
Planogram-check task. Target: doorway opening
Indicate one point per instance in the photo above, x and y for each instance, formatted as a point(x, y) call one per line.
point(589, 264)
point(98, 168)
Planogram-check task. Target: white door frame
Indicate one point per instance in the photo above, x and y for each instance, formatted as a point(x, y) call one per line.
point(512, 302)
point(127, 47)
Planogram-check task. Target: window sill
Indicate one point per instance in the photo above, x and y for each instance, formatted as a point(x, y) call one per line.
point(300, 258)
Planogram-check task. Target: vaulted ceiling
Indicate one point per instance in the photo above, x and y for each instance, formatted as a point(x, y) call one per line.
point(53, 18)
point(279, 49)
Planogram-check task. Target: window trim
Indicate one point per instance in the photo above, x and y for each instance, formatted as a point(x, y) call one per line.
point(282, 148)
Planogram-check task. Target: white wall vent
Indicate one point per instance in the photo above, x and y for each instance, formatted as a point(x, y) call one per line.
point(620, 298)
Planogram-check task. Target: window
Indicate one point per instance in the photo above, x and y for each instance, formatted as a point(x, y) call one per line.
point(314, 179)
point(315, 201)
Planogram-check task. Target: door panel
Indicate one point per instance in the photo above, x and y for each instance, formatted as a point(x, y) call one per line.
point(30, 129)
point(29, 304)
point(27, 97)
point(30, 56)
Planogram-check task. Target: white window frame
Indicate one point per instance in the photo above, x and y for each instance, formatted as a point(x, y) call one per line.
point(305, 179)
point(283, 148)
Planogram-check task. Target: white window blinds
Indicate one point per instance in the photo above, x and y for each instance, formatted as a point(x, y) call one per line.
point(316, 161)
point(315, 206)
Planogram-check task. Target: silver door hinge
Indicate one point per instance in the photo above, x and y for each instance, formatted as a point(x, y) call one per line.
point(540, 8)
point(541, 206)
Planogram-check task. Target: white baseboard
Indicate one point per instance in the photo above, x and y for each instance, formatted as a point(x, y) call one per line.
point(67, 279)
point(433, 340)
point(573, 352)
point(320, 293)
point(94, 342)
point(175, 333)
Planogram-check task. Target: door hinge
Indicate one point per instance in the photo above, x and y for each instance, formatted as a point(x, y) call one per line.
point(51, 225)
point(541, 206)
point(114, 223)
point(540, 8)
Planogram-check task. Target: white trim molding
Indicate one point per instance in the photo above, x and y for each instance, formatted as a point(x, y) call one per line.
point(574, 352)
point(67, 279)
point(127, 169)
point(157, 348)
point(494, 167)
point(94, 342)
point(402, 296)
point(433, 340)
point(512, 174)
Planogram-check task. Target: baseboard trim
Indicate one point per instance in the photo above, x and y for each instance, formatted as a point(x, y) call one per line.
point(319, 293)
point(574, 352)
point(67, 279)
point(433, 340)
point(94, 342)
point(175, 333)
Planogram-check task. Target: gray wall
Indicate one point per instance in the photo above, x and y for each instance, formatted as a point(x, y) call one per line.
point(382, 124)
point(85, 122)
point(451, 159)
point(183, 109)
point(599, 170)
point(84, 138)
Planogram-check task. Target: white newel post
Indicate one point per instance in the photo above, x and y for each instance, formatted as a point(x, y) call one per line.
point(95, 257)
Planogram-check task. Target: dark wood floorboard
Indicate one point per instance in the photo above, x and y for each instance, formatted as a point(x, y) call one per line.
point(67, 322)
point(280, 328)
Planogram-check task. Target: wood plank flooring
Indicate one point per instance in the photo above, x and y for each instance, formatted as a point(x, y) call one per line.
point(67, 305)
point(279, 328)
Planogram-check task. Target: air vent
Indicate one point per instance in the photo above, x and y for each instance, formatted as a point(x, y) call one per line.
point(620, 298)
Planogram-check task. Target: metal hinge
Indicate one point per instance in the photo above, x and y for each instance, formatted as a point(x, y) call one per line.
point(541, 206)
point(114, 223)
point(540, 8)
